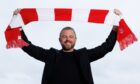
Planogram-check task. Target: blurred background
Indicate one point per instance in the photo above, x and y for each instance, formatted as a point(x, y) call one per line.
point(117, 67)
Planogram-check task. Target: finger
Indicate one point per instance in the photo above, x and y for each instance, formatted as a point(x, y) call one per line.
point(16, 11)
point(117, 12)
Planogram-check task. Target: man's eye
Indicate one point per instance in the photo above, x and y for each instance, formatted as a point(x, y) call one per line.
point(71, 36)
point(63, 36)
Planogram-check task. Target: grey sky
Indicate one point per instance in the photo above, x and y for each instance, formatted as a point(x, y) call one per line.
point(117, 67)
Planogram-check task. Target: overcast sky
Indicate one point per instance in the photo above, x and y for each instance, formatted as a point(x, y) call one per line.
point(117, 67)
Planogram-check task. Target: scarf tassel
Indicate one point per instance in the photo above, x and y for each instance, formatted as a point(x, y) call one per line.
point(16, 44)
point(125, 36)
point(13, 38)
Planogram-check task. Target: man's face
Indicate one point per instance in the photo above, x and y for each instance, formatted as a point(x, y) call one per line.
point(67, 39)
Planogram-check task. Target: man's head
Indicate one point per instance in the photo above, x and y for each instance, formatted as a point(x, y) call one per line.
point(67, 39)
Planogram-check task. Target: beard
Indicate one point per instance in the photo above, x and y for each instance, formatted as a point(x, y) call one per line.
point(68, 45)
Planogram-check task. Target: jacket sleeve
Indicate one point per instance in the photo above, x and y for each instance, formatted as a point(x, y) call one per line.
point(34, 51)
point(100, 51)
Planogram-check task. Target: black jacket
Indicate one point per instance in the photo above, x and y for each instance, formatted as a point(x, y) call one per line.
point(83, 56)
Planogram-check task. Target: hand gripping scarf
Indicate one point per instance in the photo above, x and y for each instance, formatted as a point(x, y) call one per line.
point(13, 37)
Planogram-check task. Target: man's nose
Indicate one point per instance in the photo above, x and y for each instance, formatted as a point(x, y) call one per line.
point(68, 38)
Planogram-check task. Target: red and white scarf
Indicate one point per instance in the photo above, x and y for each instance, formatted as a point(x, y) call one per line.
point(13, 37)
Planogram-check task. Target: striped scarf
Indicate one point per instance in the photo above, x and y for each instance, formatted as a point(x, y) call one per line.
point(13, 36)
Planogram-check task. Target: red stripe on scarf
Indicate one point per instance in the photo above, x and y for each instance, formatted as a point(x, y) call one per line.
point(97, 16)
point(29, 15)
point(125, 36)
point(62, 14)
point(13, 38)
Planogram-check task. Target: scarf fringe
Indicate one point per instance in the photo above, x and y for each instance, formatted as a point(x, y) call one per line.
point(16, 44)
point(129, 39)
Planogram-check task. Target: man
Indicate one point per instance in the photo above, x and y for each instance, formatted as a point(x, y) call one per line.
point(68, 65)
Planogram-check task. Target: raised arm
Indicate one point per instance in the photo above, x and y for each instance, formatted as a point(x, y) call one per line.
point(107, 46)
point(34, 51)
point(99, 51)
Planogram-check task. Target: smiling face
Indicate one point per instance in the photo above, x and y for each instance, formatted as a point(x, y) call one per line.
point(67, 39)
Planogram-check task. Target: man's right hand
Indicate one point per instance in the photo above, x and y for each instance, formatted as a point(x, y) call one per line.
point(16, 11)
point(118, 12)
